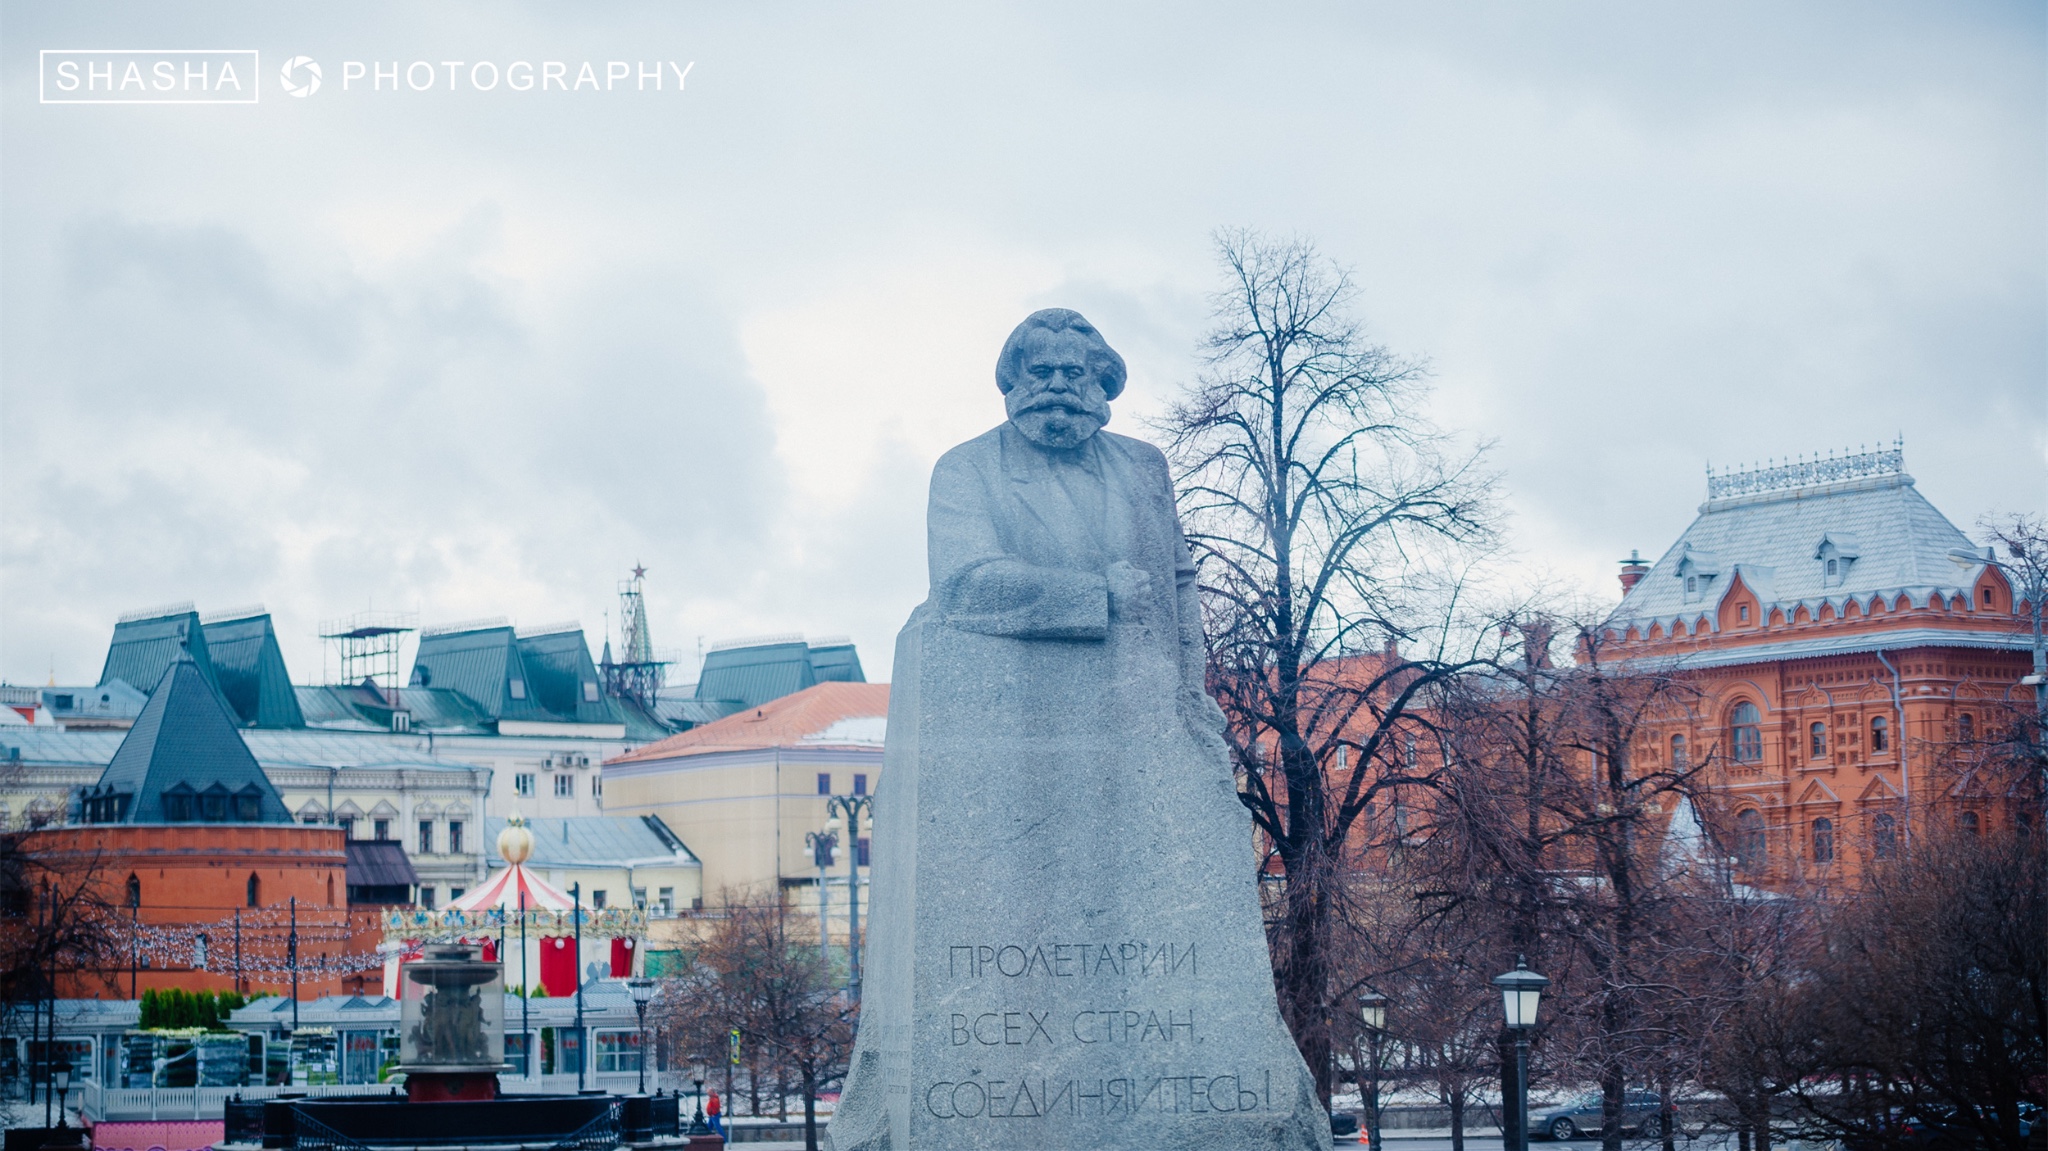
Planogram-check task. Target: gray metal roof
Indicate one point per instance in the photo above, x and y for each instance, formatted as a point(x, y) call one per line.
point(379, 863)
point(343, 707)
point(186, 737)
point(597, 841)
point(683, 714)
point(249, 668)
point(1819, 647)
point(114, 699)
point(57, 748)
point(1884, 537)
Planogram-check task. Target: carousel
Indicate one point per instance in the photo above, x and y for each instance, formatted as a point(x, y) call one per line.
point(548, 943)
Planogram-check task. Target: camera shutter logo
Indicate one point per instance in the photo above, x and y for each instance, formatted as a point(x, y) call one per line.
point(288, 78)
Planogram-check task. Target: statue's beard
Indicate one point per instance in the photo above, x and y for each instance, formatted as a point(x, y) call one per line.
point(1060, 423)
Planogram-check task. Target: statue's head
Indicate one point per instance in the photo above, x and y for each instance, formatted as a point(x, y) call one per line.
point(1058, 376)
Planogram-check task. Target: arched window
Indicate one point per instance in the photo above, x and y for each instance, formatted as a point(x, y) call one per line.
point(1678, 752)
point(1966, 728)
point(1823, 840)
point(1745, 734)
point(255, 890)
point(1971, 824)
point(1750, 850)
point(1817, 736)
point(134, 892)
point(1884, 836)
point(1880, 733)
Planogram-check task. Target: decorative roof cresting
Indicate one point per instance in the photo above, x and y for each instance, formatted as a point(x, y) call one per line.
point(1801, 473)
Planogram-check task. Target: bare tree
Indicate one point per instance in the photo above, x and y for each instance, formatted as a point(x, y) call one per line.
point(752, 975)
point(1312, 490)
point(1931, 993)
point(56, 922)
point(1555, 815)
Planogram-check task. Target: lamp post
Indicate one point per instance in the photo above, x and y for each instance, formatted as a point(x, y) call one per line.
point(1372, 1010)
point(821, 844)
point(697, 1126)
point(61, 1076)
point(1520, 991)
point(642, 991)
point(858, 812)
point(576, 893)
point(2029, 577)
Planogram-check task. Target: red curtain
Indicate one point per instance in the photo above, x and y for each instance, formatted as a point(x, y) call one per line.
point(558, 966)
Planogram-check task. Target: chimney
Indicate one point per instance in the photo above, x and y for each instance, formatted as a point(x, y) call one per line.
point(1633, 569)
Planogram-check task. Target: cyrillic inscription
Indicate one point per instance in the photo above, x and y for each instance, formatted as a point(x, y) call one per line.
point(1036, 1099)
point(1131, 960)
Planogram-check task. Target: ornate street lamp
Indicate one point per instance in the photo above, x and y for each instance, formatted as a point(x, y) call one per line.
point(642, 991)
point(1372, 1010)
point(1520, 992)
point(60, 1074)
point(854, 813)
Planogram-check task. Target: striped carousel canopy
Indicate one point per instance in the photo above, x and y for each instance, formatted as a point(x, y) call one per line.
point(486, 911)
point(504, 892)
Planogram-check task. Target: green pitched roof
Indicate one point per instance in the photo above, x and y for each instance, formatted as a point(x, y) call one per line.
point(547, 678)
point(249, 667)
point(185, 742)
point(755, 674)
point(144, 647)
point(561, 678)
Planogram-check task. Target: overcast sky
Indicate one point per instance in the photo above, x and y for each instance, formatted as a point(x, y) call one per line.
point(477, 353)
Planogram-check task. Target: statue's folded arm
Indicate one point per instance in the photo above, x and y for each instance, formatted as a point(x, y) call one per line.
point(1011, 598)
point(980, 586)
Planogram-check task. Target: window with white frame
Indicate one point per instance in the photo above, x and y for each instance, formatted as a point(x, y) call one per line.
point(618, 1050)
point(565, 786)
point(522, 784)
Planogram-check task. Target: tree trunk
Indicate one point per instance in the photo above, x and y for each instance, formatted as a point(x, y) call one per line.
point(1457, 1102)
point(810, 1109)
point(1665, 1114)
point(1611, 1087)
point(1305, 976)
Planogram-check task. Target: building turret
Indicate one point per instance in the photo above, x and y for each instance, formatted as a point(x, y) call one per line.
point(1633, 569)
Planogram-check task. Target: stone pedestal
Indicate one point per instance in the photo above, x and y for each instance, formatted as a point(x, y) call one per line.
point(1066, 948)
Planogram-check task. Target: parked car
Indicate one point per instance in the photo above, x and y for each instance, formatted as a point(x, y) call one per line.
point(1344, 1127)
point(1568, 1119)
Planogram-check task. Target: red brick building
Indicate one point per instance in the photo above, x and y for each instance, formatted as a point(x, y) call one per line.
point(1851, 674)
point(209, 876)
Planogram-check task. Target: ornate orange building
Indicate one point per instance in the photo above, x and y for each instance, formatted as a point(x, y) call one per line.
point(1849, 672)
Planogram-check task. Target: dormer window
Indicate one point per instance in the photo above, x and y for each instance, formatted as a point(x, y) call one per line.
point(1837, 552)
point(1696, 572)
point(518, 689)
point(180, 805)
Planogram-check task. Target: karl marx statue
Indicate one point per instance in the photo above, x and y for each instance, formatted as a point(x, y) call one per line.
point(1065, 949)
